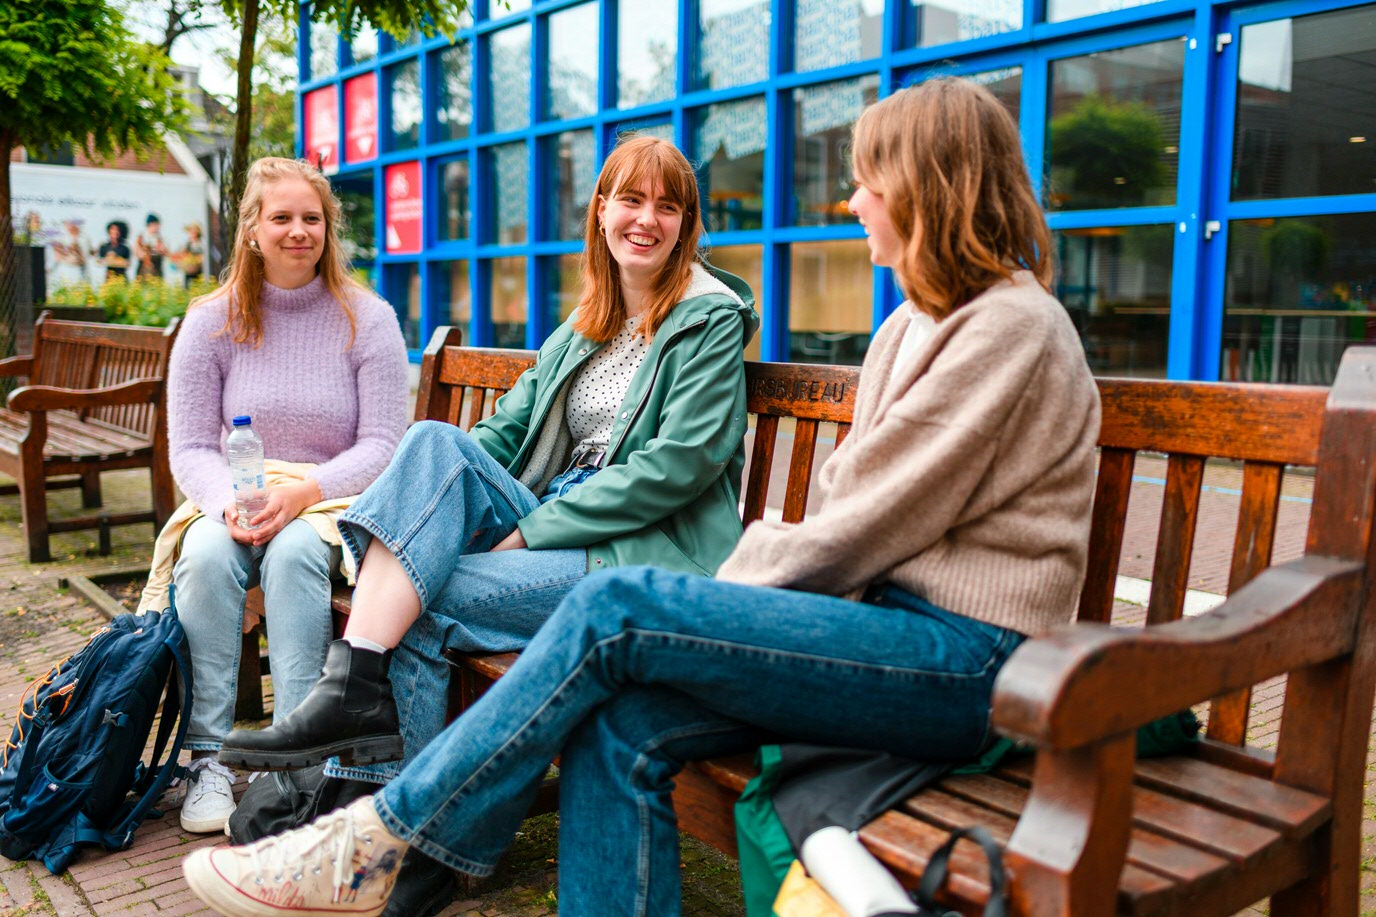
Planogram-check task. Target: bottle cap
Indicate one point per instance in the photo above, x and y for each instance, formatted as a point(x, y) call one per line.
point(242, 420)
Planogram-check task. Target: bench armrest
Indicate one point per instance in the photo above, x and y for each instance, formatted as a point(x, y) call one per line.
point(50, 398)
point(1066, 690)
point(21, 365)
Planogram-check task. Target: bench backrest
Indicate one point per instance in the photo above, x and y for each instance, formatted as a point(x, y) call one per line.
point(89, 355)
point(1271, 430)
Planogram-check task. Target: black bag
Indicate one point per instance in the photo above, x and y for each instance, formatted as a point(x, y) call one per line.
point(934, 876)
point(282, 800)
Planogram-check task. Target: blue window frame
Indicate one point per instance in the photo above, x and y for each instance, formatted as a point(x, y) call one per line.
point(1146, 275)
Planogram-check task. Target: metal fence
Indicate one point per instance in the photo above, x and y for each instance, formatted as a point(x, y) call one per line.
point(16, 297)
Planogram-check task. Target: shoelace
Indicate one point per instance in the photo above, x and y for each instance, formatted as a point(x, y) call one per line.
point(333, 844)
point(198, 786)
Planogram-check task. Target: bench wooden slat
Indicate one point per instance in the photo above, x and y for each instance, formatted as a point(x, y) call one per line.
point(800, 470)
point(1258, 514)
point(761, 464)
point(1111, 491)
point(1294, 813)
point(1175, 539)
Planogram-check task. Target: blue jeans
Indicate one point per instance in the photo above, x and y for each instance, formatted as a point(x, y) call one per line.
point(439, 507)
point(640, 670)
point(213, 574)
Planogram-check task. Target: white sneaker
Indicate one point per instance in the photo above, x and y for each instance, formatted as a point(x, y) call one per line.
point(209, 798)
point(344, 863)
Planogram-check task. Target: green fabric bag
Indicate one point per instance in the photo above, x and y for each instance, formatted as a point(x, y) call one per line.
point(764, 849)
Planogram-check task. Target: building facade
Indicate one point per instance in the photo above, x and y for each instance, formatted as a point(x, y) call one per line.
point(1209, 168)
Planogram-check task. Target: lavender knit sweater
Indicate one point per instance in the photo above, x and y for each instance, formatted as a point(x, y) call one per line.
point(311, 399)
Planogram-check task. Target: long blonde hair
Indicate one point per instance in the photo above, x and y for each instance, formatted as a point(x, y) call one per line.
point(636, 163)
point(242, 279)
point(946, 157)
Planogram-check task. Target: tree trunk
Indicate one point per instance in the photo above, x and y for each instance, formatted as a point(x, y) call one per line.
point(243, 126)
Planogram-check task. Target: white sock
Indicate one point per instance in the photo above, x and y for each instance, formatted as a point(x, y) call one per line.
point(363, 643)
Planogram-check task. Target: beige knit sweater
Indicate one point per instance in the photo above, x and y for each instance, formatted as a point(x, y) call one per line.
point(968, 475)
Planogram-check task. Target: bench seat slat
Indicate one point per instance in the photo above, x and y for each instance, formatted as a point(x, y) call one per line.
point(1294, 813)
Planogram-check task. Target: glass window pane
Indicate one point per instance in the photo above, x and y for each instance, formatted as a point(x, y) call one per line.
point(937, 23)
point(454, 108)
point(823, 117)
point(573, 62)
point(663, 131)
point(570, 157)
point(1299, 291)
point(647, 51)
point(457, 301)
point(357, 227)
point(1116, 284)
point(324, 50)
point(725, 29)
point(1306, 115)
point(1005, 84)
point(510, 83)
point(747, 263)
point(729, 143)
point(403, 290)
point(500, 9)
point(563, 285)
point(454, 185)
point(406, 112)
point(830, 299)
point(827, 33)
point(1114, 138)
point(508, 296)
point(511, 171)
point(364, 44)
point(1058, 10)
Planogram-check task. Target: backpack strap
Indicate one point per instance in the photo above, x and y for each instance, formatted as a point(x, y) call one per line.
point(934, 876)
point(176, 707)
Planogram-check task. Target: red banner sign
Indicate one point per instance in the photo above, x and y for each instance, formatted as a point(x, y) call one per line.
point(360, 118)
point(321, 127)
point(404, 210)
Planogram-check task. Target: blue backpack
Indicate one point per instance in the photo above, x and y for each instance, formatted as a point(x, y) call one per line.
point(73, 758)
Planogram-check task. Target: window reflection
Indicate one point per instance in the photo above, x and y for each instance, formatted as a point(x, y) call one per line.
point(454, 108)
point(509, 298)
point(364, 44)
point(1306, 116)
point(457, 294)
point(663, 131)
point(828, 33)
point(829, 303)
point(1114, 136)
point(647, 51)
point(324, 50)
point(406, 110)
point(403, 289)
point(1004, 84)
point(358, 225)
point(571, 158)
point(574, 48)
point(454, 181)
point(747, 263)
point(1299, 291)
point(1116, 284)
point(943, 21)
point(510, 83)
point(823, 117)
point(1058, 10)
point(729, 143)
point(511, 170)
point(563, 285)
point(726, 29)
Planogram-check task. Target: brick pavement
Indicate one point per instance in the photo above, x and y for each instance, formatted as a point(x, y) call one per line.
point(40, 624)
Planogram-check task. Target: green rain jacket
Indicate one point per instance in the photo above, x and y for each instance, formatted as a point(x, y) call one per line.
point(669, 490)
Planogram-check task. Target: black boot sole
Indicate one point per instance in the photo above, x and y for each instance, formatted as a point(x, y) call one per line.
point(351, 752)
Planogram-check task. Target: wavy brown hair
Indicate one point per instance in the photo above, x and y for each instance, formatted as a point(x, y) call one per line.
point(242, 279)
point(947, 159)
point(636, 163)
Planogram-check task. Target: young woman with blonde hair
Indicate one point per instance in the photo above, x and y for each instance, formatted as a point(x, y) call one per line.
point(622, 445)
point(318, 363)
point(953, 523)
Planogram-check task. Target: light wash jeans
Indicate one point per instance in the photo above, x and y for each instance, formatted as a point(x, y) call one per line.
point(439, 507)
point(640, 670)
point(213, 575)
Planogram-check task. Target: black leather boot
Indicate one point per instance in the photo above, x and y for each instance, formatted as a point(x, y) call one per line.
point(350, 713)
point(424, 887)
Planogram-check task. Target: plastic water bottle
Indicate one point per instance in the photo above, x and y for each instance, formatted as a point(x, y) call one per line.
point(245, 451)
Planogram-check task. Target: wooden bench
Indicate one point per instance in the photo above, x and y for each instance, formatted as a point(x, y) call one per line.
point(1087, 830)
point(94, 403)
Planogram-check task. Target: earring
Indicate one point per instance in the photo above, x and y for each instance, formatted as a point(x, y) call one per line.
point(253, 244)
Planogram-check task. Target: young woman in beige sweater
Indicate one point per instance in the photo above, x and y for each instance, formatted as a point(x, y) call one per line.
point(953, 523)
